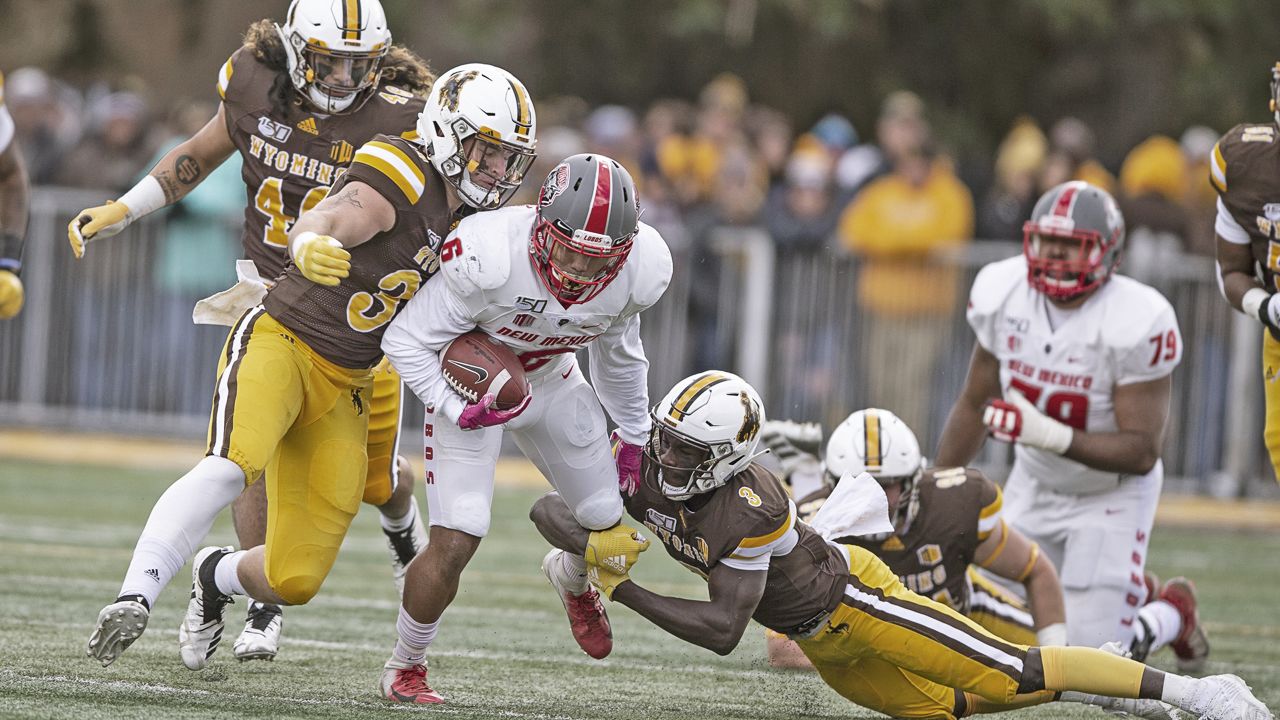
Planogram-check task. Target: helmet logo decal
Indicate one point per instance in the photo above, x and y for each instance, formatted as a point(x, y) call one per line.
point(451, 90)
point(750, 419)
point(871, 434)
point(557, 182)
point(681, 407)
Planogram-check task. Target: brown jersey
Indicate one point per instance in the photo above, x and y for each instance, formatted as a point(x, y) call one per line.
point(749, 523)
point(289, 163)
point(1245, 171)
point(956, 509)
point(345, 323)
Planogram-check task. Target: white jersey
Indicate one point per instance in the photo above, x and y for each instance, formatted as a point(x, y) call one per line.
point(1125, 333)
point(487, 280)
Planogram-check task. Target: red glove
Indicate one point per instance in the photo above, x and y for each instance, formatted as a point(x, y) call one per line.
point(1018, 420)
point(482, 414)
point(1003, 420)
point(627, 458)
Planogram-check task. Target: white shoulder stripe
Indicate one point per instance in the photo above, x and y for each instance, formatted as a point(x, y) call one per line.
point(1227, 227)
point(224, 79)
point(987, 524)
point(394, 160)
point(1219, 173)
point(6, 128)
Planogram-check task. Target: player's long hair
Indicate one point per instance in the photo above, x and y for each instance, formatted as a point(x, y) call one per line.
point(401, 67)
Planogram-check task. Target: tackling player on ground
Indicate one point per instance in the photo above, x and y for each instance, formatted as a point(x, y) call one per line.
point(575, 271)
point(1073, 363)
point(13, 215)
point(944, 521)
point(297, 371)
point(872, 640)
point(1245, 171)
point(296, 101)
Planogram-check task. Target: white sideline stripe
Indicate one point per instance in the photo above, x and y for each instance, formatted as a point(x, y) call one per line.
point(912, 616)
point(224, 381)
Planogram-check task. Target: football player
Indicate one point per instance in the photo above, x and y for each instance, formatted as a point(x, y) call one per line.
point(944, 521)
point(871, 639)
point(13, 215)
point(1073, 363)
point(1244, 172)
point(297, 372)
point(296, 101)
point(575, 271)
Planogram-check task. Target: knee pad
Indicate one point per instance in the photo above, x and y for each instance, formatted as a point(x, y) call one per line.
point(296, 589)
point(600, 511)
point(468, 513)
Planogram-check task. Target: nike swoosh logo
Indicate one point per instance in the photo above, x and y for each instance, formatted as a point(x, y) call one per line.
point(567, 373)
point(1109, 511)
point(480, 373)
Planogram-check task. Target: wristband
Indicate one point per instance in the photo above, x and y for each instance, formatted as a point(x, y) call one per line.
point(1253, 301)
point(143, 199)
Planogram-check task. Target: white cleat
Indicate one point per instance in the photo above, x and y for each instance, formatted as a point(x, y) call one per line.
point(119, 624)
point(260, 639)
point(1225, 697)
point(201, 629)
point(405, 546)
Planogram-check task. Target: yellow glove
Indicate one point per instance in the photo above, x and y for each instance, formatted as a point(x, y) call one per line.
point(11, 294)
point(611, 554)
point(96, 222)
point(321, 258)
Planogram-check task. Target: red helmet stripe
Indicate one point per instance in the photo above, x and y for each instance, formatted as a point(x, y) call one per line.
point(1066, 200)
point(598, 218)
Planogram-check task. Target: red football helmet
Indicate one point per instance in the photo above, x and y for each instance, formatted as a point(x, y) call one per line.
point(1073, 240)
point(588, 216)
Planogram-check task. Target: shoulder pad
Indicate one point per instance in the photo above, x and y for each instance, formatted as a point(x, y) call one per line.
point(393, 166)
point(651, 268)
point(994, 282)
point(477, 254)
point(236, 73)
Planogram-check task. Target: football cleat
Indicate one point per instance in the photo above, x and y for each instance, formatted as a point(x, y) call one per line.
point(119, 624)
point(260, 639)
point(201, 629)
point(1192, 644)
point(1149, 709)
point(587, 618)
point(1225, 697)
point(405, 546)
point(407, 684)
point(1152, 583)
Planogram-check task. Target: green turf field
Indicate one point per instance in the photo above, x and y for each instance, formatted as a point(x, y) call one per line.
point(504, 650)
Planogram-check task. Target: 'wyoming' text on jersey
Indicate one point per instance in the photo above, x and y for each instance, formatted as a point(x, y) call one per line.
point(293, 163)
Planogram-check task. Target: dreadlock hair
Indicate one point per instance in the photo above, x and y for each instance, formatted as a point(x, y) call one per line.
point(401, 67)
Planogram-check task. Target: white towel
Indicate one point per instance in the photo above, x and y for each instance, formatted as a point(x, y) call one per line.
point(226, 307)
point(857, 507)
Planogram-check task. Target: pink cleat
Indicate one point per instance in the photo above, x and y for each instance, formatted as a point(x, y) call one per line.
point(407, 684)
point(587, 618)
point(1192, 644)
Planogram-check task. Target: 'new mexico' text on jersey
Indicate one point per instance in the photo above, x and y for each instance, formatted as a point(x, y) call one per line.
point(1124, 333)
point(487, 280)
point(345, 323)
point(290, 162)
point(749, 524)
point(956, 509)
point(1245, 171)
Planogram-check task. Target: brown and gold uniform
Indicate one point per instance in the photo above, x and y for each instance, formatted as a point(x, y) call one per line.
point(870, 638)
point(953, 511)
point(289, 164)
point(296, 374)
point(1245, 171)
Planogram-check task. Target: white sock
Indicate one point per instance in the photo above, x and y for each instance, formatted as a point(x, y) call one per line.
point(1164, 620)
point(1178, 689)
point(413, 638)
point(575, 572)
point(179, 523)
point(226, 576)
point(399, 524)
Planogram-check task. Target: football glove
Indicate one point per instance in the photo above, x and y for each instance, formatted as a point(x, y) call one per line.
point(1017, 420)
point(482, 414)
point(627, 457)
point(611, 554)
point(321, 258)
point(96, 222)
point(11, 294)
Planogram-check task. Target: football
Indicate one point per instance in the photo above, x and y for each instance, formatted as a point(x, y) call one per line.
point(475, 364)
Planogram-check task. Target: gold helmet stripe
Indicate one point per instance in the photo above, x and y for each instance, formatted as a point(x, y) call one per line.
point(871, 434)
point(680, 408)
point(522, 111)
point(351, 20)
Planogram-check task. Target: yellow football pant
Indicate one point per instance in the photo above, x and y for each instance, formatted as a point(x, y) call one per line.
point(1271, 388)
point(384, 435)
point(280, 407)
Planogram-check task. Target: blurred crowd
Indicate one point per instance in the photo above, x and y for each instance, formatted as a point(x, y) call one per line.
point(895, 200)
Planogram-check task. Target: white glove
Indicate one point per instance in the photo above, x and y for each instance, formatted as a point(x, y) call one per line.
point(1018, 420)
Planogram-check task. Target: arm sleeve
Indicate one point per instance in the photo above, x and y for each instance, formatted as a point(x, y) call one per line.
point(619, 373)
point(413, 341)
point(1155, 353)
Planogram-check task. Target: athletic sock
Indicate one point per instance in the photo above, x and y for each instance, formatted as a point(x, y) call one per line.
point(413, 638)
point(575, 572)
point(1087, 670)
point(1164, 622)
point(402, 523)
point(226, 577)
point(1178, 689)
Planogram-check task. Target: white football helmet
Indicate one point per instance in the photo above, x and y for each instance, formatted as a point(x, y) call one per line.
point(489, 104)
point(717, 417)
point(877, 442)
point(335, 50)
